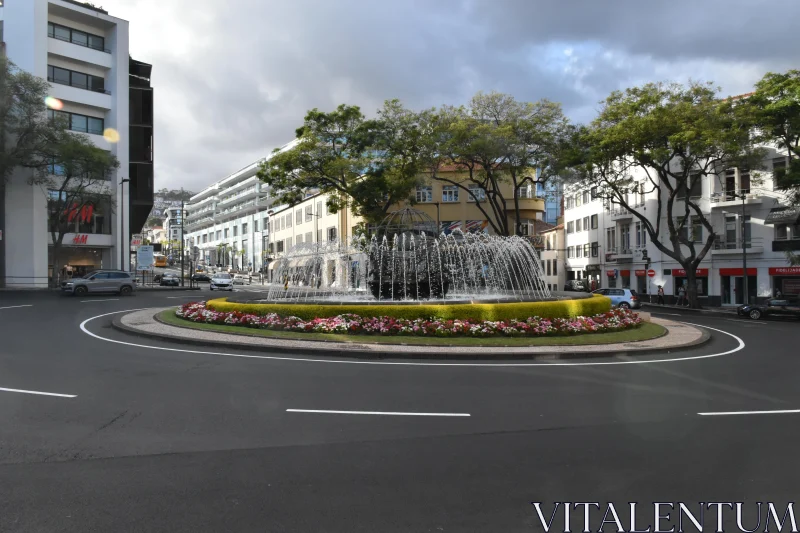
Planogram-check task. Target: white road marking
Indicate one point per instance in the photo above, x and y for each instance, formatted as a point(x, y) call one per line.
point(103, 300)
point(780, 412)
point(385, 413)
point(15, 306)
point(40, 393)
point(408, 363)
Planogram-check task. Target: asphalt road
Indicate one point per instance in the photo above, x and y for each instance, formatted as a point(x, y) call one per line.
point(162, 437)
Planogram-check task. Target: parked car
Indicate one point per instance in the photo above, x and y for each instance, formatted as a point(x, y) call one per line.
point(777, 307)
point(576, 285)
point(169, 280)
point(100, 281)
point(221, 281)
point(201, 276)
point(623, 298)
point(241, 279)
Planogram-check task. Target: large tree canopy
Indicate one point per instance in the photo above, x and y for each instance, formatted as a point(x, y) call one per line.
point(663, 139)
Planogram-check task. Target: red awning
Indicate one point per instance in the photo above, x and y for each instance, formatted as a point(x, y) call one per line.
point(681, 273)
point(640, 272)
point(624, 272)
point(737, 272)
point(610, 273)
point(784, 271)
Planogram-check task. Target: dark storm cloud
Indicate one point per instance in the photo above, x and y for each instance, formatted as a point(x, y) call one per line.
point(234, 79)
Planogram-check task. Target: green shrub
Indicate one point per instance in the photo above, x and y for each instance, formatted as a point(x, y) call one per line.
point(497, 311)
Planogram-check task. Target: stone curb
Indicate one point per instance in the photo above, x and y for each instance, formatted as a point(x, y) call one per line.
point(363, 351)
point(666, 308)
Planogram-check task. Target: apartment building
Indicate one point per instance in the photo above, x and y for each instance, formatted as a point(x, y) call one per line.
point(83, 52)
point(608, 245)
point(552, 255)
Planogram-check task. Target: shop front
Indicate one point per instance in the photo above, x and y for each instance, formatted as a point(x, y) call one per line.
point(642, 281)
point(679, 279)
point(732, 282)
point(77, 261)
point(786, 280)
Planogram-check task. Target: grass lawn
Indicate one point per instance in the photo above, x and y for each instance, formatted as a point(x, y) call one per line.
point(646, 331)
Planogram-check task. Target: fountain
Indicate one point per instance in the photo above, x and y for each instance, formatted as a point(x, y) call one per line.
point(407, 260)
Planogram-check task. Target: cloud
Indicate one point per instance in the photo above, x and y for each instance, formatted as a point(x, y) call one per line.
point(234, 79)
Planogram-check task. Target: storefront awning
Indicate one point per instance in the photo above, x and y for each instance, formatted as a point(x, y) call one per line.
point(783, 215)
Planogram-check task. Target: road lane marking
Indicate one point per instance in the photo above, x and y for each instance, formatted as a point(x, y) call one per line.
point(103, 300)
point(778, 412)
point(15, 306)
point(384, 413)
point(83, 327)
point(40, 393)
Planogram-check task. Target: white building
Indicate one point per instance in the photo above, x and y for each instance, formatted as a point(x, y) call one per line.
point(83, 51)
point(608, 245)
point(552, 253)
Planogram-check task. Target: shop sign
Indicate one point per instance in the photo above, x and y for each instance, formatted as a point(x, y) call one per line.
point(784, 271)
point(640, 272)
point(625, 273)
point(611, 273)
point(681, 273)
point(80, 239)
point(136, 239)
point(737, 272)
point(144, 258)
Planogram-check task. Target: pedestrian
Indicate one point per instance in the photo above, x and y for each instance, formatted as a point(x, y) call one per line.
point(682, 296)
point(661, 295)
point(778, 294)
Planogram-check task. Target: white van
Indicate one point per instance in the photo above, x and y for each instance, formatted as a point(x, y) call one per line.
point(241, 279)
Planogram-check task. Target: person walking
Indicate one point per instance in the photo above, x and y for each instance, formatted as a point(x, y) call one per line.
point(682, 296)
point(660, 295)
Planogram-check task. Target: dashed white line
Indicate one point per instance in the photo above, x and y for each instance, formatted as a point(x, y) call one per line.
point(39, 393)
point(728, 413)
point(384, 413)
point(15, 306)
point(103, 300)
point(739, 347)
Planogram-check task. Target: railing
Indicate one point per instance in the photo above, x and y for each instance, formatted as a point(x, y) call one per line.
point(87, 45)
point(736, 244)
point(86, 87)
point(526, 194)
point(245, 192)
point(734, 195)
point(619, 211)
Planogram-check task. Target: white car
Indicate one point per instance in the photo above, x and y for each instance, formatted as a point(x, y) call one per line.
point(221, 281)
point(241, 279)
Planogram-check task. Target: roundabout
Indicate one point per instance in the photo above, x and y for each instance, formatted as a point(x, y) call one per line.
point(171, 435)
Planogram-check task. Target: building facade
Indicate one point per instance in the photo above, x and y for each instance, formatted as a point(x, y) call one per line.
point(83, 52)
point(608, 245)
point(551, 256)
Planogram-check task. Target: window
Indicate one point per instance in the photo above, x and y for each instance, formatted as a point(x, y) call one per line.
point(570, 227)
point(594, 221)
point(577, 200)
point(578, 250)
point(697, 229)
point(555, 267)
point(569, 202)
point(298, 215)
point(425, 194)
point(781, 232)
point(611, 240)
point(587, 197)
point(235, 231)
point(319, 209)
point(266, 225)
point(205, 239)
point(288, 221)
point(309, 237)
point(625, 234)
point(578, 225)
point(569, 252)
point(477, 193)
point(299, 239)
point(450, 193)
point(593, 193)
point(586, 250)
point(226, 233)
point(244, 228)
point(332, 234)
point(77, 122)
point(744, 181)
point(547, 242)
point(585, 223)
point(594, 249)
point(547, 267)
point(81, 38)
point(309, 213)
point(76, 79)
point(219, 235)
point(279, 246)
point(255, 226)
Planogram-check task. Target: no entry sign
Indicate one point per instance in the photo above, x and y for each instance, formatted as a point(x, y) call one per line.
point(651, 273)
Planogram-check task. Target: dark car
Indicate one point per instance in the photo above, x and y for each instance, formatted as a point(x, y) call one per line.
point(775, 307)
point(201, 276)
point(170, 280)
point(577, 285)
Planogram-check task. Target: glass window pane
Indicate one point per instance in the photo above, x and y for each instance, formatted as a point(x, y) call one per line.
point(98, 84)
point(60, 32)
point(98, 43)
point(78, 37)
point(51, 31)
point(96, 125)
point(78, 123)
point(60, 75)
point(80, 80)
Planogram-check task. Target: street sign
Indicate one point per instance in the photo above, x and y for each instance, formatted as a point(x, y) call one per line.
point(144, 257)
point(136, 239)
point(651, 273)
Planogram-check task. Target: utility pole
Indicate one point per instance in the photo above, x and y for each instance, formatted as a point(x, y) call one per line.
point(122, 239)
point(182, 252)
point(745, 277)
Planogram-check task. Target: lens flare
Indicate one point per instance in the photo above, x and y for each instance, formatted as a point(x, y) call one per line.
point(111, 135)
point(53, 103)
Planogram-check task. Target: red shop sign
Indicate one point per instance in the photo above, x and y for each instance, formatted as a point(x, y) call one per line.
point(79, 239)
point(610, 273)
point(784, 271)
point(737, 272)
point(679, 272)
point(640, 272)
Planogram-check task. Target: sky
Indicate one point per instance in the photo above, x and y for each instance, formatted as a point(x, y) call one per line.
point(233, 79)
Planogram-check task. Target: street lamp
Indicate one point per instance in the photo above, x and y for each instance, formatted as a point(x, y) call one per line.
point(122, 239)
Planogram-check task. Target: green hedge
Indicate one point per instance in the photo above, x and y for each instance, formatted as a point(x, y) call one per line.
point(497, 311)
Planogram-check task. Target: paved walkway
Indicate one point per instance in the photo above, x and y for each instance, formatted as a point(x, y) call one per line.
point(143, 323)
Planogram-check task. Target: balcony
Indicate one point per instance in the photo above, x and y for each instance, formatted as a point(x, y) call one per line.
point(83, 53)
point(620, 213)
point(732, 198)
point(245, 194)
point(785, 245)
point(619, 254)
point(734, 247)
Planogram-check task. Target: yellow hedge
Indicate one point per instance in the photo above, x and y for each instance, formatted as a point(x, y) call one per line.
point(495, 311)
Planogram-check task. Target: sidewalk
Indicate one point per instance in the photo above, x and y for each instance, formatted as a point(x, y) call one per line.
point(726, 311)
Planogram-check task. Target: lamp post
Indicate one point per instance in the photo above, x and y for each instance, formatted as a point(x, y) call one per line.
point(122, 239)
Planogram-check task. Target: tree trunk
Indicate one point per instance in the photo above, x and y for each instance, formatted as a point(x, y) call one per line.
point(3, 234)
point(691, 287)
point(54, 280)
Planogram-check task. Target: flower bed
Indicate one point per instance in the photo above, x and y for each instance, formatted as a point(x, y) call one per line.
point(614, 320)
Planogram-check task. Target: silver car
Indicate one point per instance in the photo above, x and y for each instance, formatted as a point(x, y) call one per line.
point(221, 281)
point(100, 281)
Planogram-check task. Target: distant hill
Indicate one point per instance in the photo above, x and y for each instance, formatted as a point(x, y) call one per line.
point(164, 199)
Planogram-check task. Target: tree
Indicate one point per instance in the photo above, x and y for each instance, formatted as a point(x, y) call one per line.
point(76, 182)
point(499, 145)
point(25, 131)
point(672, 136)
